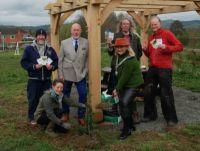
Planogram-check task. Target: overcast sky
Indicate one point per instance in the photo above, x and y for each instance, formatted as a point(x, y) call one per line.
point(32, 13)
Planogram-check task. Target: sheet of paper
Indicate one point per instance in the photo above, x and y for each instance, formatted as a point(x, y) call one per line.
point(111, 35)
point(42, 60)
point(159, 41)
point(49, 61)
point(154, 43)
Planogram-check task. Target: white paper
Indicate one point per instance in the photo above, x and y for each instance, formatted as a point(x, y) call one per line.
point(154, 44)
point(42, 60)
point(159, 41)
point(49, 61)
point(111, 35)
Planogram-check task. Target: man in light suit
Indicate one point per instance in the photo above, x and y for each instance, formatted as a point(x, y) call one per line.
point(73, 60)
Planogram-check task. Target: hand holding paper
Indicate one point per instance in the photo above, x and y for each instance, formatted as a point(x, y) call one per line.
point(43, 60)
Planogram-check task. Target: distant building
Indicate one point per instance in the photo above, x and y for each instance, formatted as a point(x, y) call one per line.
point(10, 36)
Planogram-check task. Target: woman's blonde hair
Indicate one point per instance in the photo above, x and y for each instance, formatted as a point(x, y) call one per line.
point(132, 24)
point(131, 51)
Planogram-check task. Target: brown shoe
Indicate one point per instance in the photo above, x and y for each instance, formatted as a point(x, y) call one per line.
point(65, 118)
point(136, 118)
point(81, 122)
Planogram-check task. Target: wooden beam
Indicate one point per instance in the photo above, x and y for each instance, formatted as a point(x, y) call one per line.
point(68, 9)
point(108, 9)
point(56, 23)
point(64, 17)
point(84, 10)
point(94, 36)
point(137, 18)
point(55, 43)
point(148, 2)
point(137, 6)
point(144, 23)
point(172, 9)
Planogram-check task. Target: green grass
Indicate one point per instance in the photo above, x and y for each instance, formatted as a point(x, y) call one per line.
point(187, 72)
point(13, 77)
point(15, 135)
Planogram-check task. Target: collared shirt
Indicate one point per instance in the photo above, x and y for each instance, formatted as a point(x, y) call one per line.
point(74, 41)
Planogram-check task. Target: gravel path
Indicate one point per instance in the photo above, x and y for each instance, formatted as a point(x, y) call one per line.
point(187, 108)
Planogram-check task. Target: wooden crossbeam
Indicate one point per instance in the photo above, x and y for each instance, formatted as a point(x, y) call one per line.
point(64, 17)
point(108, 9)
point(147, 2)
point(173, 9)
point(137, 6)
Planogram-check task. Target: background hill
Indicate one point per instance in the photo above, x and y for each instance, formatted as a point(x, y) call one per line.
point(166, 23)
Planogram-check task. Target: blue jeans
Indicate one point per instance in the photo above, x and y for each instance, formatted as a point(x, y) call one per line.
point(35, 89)
point(81, 87)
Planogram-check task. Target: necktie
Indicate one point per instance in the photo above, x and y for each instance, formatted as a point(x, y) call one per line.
point(76, 45)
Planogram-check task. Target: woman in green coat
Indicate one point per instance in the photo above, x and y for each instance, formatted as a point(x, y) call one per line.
point(129, 77)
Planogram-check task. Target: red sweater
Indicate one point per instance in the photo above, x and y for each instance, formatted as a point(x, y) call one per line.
point(158, 57)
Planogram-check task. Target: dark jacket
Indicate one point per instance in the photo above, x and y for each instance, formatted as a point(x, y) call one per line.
point(29, 60)
point(134, 42)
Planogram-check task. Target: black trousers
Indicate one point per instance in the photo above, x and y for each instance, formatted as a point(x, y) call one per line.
point(112, 81)
point(126, 98)
point(35, 89)
point(163, 77)
point(44, 121)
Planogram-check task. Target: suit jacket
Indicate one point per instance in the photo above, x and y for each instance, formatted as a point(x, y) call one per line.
point(73, 65)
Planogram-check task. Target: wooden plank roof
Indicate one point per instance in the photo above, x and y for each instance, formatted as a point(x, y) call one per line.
point(147, 7)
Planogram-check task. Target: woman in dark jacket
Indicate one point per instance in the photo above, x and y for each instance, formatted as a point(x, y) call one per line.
point(129, 77)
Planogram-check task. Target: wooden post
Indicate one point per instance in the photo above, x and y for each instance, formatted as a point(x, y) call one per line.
point(144, 41)
point(55, 43)
point(144, 36)
point(143, 22)
point(94, 37)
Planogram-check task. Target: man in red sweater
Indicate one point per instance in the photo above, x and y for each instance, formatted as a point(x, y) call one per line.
point(161, 45)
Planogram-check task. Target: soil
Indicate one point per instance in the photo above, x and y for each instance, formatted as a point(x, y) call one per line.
point(187, 107)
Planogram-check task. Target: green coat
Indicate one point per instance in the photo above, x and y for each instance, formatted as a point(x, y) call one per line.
point(128, 72)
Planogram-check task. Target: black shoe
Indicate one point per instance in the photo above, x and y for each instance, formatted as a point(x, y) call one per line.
point(133, 128)
point(125, 134)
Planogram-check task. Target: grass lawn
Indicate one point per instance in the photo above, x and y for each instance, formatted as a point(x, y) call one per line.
point(16, 135)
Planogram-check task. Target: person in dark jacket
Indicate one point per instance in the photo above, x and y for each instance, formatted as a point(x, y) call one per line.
point(49, 111)
point(129, 77)
point(161, 45)
point(126, 30)
point(39, 60)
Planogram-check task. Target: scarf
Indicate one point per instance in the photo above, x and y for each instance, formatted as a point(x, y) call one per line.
point(58, 98)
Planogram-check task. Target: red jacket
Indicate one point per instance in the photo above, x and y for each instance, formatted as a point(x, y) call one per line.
point(158, 57)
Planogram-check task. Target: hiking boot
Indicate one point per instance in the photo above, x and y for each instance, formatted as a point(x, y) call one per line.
point(124, 134)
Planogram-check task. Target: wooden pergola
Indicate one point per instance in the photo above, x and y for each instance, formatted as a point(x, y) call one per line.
point(96, 12)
